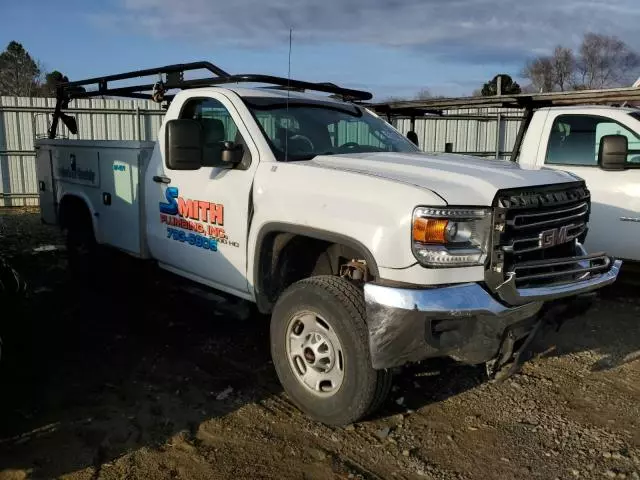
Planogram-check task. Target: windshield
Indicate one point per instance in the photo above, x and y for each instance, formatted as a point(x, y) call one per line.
point(300, 131)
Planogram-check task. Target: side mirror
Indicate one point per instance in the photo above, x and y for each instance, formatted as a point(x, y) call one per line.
point(613, 152)
point(183, 145)
point(232, 153)
point(222, 154)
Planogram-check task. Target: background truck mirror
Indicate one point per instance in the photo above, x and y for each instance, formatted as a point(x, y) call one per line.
point(183, 145)
point(613, 151)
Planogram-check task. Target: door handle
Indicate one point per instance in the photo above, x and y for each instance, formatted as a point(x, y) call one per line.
point(161, 179)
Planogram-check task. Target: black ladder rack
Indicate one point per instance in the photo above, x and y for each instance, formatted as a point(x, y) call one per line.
point(174, 79)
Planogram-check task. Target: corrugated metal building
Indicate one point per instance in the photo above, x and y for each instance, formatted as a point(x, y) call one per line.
point(485, 132)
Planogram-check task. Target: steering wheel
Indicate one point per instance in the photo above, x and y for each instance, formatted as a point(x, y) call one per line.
point(305, 139)
point(349, 145)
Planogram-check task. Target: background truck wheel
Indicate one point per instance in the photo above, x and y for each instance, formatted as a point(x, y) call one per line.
point(320, 349)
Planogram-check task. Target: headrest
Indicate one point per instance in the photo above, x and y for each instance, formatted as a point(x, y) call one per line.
point(212, 130)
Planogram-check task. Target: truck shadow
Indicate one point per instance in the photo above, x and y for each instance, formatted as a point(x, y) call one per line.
point(139, 363)
point(610, 329)
point(103, 373)
point(609, 332)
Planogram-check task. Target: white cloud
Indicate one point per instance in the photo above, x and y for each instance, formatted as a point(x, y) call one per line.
point(467, 31)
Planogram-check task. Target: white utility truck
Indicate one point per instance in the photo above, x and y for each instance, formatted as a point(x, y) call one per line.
point(367, 253)
point(598, 143)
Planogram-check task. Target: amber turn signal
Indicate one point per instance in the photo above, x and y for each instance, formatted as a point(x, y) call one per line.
point(429, 230)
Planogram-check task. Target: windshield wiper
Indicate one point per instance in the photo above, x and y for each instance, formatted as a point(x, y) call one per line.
point(309, 156)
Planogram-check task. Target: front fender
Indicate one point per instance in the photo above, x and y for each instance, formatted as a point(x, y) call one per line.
point(370, 213)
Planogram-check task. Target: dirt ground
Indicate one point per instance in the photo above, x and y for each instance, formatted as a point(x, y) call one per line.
point(141, 380)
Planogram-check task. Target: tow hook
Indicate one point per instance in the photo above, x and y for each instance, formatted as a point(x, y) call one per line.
point(507, 363)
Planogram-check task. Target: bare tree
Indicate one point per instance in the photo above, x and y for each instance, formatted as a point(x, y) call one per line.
point(424, 94)
point(540, 72)
point(564, 66)
point(394, 98)
point(19, 72)
point(605, 61)
point(529, 88)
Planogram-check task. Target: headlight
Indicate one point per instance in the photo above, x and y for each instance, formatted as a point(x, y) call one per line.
point(451, 237)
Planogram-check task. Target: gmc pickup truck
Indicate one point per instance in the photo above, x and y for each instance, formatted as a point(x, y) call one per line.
point(367, 253)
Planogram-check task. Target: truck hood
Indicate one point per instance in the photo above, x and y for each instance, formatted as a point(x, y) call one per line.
point(458, 179)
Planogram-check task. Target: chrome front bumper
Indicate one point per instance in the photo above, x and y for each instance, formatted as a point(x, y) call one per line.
point(462, 321)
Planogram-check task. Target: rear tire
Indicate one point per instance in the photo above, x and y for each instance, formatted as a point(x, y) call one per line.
point(83, 251)
point(320, 349)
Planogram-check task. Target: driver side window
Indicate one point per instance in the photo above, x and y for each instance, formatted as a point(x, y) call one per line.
point(575, 140)
point(216, 121)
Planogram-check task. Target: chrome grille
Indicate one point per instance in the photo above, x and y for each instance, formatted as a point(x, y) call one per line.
point(535, 241)
point(535, 234)
point(561, 268)
point(575, 213)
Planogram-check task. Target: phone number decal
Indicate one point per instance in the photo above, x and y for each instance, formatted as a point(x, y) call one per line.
point(192, 239)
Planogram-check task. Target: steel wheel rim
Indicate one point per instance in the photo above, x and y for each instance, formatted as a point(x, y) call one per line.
point(315, 353)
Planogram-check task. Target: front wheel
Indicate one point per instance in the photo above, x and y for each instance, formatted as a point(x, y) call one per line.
point(320, 349)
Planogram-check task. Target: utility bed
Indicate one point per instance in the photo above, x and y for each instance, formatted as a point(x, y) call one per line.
point(112, 173)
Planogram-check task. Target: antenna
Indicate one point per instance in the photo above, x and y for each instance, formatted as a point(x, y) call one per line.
point(286, 136)
point(635, 85)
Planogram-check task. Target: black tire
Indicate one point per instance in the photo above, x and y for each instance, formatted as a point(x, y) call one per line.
point(13, 290)
point(341, 304)
point(83, 252)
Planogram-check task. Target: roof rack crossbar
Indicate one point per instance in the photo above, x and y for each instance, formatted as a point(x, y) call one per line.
point(135, 91)
point(71, 90)
point(174, 79)
point(536, 100)
point(179, 67)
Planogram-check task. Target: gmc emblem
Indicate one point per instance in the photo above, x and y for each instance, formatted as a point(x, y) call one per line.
point(555, 236)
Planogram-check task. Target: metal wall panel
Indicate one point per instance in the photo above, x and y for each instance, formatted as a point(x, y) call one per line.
point(22, 120)
point(477, 131)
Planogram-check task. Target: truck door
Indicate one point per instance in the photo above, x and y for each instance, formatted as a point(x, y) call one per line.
point(573, 143)
point(197, 220)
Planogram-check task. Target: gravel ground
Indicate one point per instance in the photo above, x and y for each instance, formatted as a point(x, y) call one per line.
point(142, 380)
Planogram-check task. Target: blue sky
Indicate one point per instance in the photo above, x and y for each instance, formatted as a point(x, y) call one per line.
point(391, 47)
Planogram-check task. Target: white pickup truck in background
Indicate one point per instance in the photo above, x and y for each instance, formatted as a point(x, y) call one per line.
point(367, 253)
point(569, 138)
